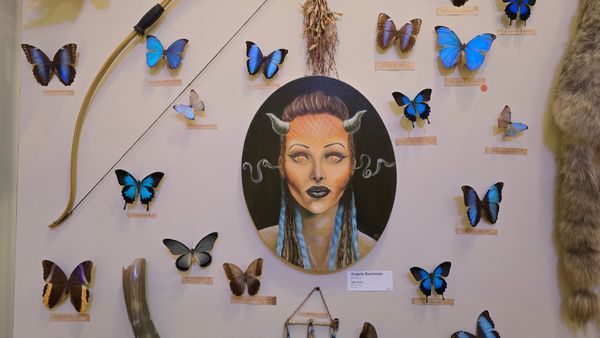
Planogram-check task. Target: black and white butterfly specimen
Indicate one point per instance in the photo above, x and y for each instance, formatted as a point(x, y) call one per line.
point(188, 256)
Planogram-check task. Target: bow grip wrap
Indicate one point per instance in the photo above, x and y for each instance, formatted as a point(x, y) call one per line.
point(149, 19)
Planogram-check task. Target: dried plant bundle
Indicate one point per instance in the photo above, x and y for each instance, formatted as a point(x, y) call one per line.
point(321, 34)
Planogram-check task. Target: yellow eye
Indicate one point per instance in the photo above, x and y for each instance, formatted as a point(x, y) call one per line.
point(299, 158)
point(335, 157)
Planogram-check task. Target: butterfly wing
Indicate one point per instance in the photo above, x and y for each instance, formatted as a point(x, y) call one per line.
point(486, 327)
point(155, 50)
point(368, 331)
point(184, 261)
point(273, 61)
point(439, 283)
point(174, 53)
point(201, 250)
point(422, 276)
point(476, 49)
point(491, 202)
point(459, 3)
point(130, 185)
point(450, 46)
point(186, 111)
point(515, 129)
point(420, 106)
point(252, 273)
point(386, 31)
point(525, 9)
point(403, 101)
point(196, 103)
point(505, 118)
point(407, 36)
point(56, 284)
point(42, 66)
point(78, 285)
point(473, 204)
point(64, 63)
point(147, 186)
point(255, 57)
point(462, 334)
point(237, 281)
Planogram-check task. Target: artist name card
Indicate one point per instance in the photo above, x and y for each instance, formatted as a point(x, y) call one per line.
point(370, 280)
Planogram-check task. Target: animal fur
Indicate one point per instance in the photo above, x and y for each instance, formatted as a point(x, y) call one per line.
point(576, 110)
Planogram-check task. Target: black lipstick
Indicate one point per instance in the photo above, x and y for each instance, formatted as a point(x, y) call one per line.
point(318, 191)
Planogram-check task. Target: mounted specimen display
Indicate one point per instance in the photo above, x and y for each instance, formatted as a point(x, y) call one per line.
point(490, 206)
point(511, 129)
point(432, 281)
point(196, 107)
point(417, 107)
point(132, 187)
point(58, 286)
point(485, 328)
point(173, 54)
point(238, 279)
point(518, 9)
point(305, 319)
point(405, 38)
point(187, 256)
point(471, 54)
point(63, 63)
point(256, 60)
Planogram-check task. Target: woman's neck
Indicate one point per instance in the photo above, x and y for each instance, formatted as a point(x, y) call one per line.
point(317, 230)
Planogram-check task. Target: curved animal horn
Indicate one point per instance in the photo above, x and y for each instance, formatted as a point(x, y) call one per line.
point(280, 127)
point(352, 125)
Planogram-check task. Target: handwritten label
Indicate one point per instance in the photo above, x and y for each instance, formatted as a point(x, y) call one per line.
point(451, 10)
point(416, 141)
point(476, 231)
point(69, 317)
point(58, 92)
point(369, 281)
point(254, 300)
point(141, 215)
point(505, 151)
point(463, 82)
point(395, 65)
point(164, 83)
point(263, 85)
point(201, 126)
point(433, 301)
point(516, 31)
point(196, 280)
point(314, 314)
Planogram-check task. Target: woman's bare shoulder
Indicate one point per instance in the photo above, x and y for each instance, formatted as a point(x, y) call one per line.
point(269, 236)
point(365, 243)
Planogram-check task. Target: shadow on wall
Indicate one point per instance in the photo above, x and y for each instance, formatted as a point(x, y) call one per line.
point(54, 12)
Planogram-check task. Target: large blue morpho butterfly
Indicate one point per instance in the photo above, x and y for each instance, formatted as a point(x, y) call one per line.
point(485, 328)
point(256, 60)
point(131, 187)
point(518, 8)
point(511, 129)
point(187, 256)
point(405, 38)
point(196, 106)
point(432, 281)
point(490, 204)
point(472, 54)
point(63, 63)
point(156, 51)
point(418, 106)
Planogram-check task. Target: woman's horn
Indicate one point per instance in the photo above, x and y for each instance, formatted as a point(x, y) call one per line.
point(352, 125)
point(280, 127)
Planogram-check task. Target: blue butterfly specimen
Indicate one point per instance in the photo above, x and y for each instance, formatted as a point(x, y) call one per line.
point(518, 8)
point(432, 281)
point(156, 51)
point(511, 129)
point(131, 187)
point(490, 204)
point(472, 54)
point(485, 328)
point(63, 63)
point(187, 256)
point(405, 38)
point(196, 106)
point(418, 106)
point(256, 60)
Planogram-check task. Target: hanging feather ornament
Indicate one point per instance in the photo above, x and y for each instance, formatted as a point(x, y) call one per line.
point(321, 34)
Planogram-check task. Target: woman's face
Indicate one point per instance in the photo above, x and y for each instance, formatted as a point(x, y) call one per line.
point(316, 161)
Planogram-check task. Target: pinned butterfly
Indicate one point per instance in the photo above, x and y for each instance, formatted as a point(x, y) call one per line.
point(173, 54)
point(368, 331)
point(269, 64)
point(432, 281)
point(132, 187)
point(58, 286)
point(485, 328)
point(511, 129)
point(196, 107)
point(518, 8)
point(490, 206)
point(417, 107)
point(239, 280)
point(459, 3)
point(188, 256)
point(452, 50)
point(405, 38)
point(63, 63)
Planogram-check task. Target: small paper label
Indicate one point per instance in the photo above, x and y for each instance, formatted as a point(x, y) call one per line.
point(451, 10)
point(433, 301)
point(464, 82)
point(263, 85)
point(69, 317)
point(476, 231)
point(370, 280)
point(516, 31)
point(416, 141)
point(59, 92)
point(395, 65)
point(141, 215)
point(164, 83)
point(505, 151)
point(201, 126)
point(254, 300)
point(196, 280)
point(314, 314)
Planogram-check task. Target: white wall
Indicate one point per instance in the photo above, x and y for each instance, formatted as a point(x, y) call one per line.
point(514, 275)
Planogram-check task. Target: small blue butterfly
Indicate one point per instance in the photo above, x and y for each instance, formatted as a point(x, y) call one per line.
point(418, 106)
point(490, 204)
point(131, 187)
point(432, 281)
point(63, 63)
point(520, 8)
point(485, 328)
point(156, 51)
point(256, 60)
point(472, 54)
point(196, 106)
point(511, 129)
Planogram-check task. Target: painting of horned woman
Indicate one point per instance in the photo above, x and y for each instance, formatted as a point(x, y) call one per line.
point(318, 174)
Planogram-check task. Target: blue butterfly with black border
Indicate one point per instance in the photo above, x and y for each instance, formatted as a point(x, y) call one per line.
point(485, 328)
point(416, 107)
point(256, 60)
point(132, 187)
point(63, 63)
point(472, 54)
point(490, 206)
point(518, 8)
point(432, 281)
point(173, 54)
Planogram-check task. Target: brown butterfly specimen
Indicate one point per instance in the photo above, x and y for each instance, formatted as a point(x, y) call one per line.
point(238, 279)
point(405, 38)
point(459, 3)
point(57, 285)
point(368, 331)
